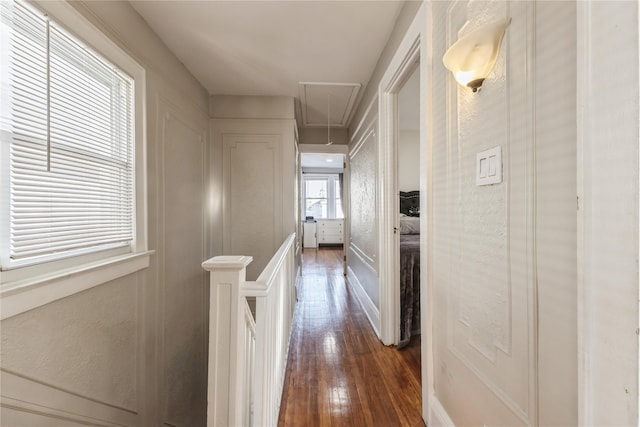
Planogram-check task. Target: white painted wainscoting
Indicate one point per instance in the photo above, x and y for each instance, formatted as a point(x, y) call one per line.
point(247, 359)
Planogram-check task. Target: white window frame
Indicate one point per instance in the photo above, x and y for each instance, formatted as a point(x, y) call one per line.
point(332, 179)
point(25, 288)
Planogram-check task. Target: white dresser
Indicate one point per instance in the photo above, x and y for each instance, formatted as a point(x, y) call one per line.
point(330, 231)
point(309, 234)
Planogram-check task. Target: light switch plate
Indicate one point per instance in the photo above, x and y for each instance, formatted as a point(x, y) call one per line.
point(489, 166)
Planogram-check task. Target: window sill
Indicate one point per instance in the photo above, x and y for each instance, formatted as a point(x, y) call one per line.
point(21, 296)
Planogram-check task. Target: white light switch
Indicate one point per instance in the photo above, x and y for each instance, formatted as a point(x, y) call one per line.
point(489, 166)
point(484, 166)
point(492, 165)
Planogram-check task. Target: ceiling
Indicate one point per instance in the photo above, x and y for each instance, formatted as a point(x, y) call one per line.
point(270, 47)
point(322, 160)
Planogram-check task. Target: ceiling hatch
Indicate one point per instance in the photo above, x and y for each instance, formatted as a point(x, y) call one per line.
point(316, 99)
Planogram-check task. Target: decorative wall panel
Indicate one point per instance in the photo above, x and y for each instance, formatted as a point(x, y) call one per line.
point(85, 345)
point(182, 277)
point(363, 239)
point(488, 230)
point(364, 196)
point(252, 197)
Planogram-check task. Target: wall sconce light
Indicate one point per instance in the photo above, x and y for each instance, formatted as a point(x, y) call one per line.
point(473, 56)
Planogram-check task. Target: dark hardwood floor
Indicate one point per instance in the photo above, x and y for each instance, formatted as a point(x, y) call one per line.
point(339, 373)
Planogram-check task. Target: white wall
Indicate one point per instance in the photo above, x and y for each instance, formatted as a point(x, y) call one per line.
point(408, 153)
point(409, 160)
point(131, 351)
point(339, 136)
point(608, 251)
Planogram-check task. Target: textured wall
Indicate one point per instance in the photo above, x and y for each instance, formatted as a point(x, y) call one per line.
point(131, 351)
point(363, 196)
point(504, 268)
point(363, 244)
point(86, 344)
point(363, 248)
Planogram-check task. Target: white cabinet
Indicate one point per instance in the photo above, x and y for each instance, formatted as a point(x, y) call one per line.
point(309, 232)
point(330, 231)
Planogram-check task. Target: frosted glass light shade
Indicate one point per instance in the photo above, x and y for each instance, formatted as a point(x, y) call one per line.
point(473, 56)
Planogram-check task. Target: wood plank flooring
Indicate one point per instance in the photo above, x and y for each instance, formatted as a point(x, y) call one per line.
point(339, 373)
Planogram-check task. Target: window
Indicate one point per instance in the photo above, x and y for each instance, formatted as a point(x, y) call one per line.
point(71, 157)
point(322, 196)
point(316, 197)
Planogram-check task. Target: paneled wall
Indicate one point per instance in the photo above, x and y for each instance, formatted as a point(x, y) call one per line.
point(182, 336)
point(132, 351)
point(504, 256)
point(362, 242)
point(254, 159)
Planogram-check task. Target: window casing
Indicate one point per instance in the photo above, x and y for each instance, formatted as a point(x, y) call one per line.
point(72, 157)
point(322, 196)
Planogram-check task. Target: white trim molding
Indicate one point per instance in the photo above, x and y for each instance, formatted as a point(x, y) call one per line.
point(608, 213)
point(370, 309)
point(438, 416)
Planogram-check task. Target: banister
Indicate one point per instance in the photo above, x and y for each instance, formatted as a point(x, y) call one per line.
point(227, 262)
point(247, 356)
point(268, 274)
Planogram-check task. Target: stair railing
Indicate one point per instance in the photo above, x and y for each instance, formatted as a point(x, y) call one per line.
point(248, 349)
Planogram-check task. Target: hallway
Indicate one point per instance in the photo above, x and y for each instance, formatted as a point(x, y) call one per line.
point(338, 372)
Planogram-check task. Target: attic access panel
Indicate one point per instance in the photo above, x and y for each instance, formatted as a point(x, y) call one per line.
point(340, 97)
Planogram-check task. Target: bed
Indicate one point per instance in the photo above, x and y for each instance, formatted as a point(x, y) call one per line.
point(409, 266)
point(409, 286)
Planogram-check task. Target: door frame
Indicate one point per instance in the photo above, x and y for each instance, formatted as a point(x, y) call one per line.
point(604, 116)
point(412, 49)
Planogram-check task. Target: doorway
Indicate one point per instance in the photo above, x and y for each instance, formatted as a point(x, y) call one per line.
point(404, 63)
point(407, 179)
point(323, 204)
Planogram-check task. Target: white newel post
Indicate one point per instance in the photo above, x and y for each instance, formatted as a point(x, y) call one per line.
point(226, 340)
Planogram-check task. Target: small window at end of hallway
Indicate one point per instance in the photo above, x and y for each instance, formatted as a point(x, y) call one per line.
point(323, 196)
point(71, 162)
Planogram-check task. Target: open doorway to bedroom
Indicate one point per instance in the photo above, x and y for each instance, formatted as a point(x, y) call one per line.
point(405, 76)
point(407, 171)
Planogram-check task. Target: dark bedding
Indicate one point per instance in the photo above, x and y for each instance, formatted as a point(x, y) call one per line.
point(409, 286)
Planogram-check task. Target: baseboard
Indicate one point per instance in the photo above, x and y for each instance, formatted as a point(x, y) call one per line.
point(439, 416)
point(370, 310)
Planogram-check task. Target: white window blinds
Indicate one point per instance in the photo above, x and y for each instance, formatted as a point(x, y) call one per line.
point(67, 117)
